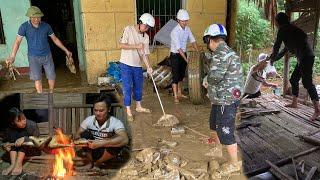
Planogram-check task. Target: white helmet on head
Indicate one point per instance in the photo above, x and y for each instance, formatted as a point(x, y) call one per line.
point(262, 57)
point(183, 15)
point(147, 19)
point(214, 30)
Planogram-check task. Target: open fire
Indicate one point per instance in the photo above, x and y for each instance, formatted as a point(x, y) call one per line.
point(63, 165)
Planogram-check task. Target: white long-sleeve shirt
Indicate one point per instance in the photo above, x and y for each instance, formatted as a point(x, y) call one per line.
point(179, 38)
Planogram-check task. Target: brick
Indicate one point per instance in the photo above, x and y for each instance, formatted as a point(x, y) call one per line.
point(99, 31)
point(120, 6)
point(123, 20)
point(197, 24)
point(96, 65)
point(113, 55)
point(93, 6)
point(215, 6)
point(194, 6)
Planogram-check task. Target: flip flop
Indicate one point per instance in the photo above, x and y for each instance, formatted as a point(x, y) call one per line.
point(176, 101)
point(143, 110)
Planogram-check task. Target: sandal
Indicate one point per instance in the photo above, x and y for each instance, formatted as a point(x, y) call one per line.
point(143, 110)
point(176, 101)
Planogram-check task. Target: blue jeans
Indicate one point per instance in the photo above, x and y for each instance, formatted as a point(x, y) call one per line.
point(132, 83)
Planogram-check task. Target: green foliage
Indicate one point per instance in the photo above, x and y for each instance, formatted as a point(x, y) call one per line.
point(279, 65)
point(252, 29)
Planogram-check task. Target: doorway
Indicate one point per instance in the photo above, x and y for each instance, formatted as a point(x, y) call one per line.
point(59, 14)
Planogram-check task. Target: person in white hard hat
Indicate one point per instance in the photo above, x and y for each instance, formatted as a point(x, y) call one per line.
point(179, 37)
point(134, 46)
point(224, 83)
point(257, 76)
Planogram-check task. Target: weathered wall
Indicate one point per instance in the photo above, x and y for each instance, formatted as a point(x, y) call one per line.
point(104, 20)
point(13, 15)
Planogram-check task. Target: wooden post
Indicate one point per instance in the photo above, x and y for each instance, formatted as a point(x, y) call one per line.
point(286, 69)
point(317, 6)
point(232, 19)
point(51, 113)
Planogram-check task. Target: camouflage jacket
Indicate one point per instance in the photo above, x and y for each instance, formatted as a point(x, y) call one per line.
point(225, 78)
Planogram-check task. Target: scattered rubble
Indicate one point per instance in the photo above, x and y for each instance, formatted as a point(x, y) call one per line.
point(165, 164)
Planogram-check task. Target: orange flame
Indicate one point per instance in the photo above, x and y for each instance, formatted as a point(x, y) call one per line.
point(63, 157)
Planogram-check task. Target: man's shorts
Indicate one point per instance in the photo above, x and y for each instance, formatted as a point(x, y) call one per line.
point(222, 120)
point(97, 153)
point(37, 62)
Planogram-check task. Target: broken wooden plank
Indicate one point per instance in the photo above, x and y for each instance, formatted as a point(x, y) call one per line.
point(311, 140)
point(281, 162)
point(295, 169)
point(277, 172)
point(311, 173)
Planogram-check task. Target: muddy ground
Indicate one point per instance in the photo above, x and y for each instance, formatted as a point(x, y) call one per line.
point(144, 135)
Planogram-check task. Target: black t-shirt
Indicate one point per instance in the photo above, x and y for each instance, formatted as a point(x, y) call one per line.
point(31, 129)
point(295, 41)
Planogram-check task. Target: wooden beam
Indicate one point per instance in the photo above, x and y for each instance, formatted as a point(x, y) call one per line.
point(232, 21)
point(316, 25)
point(281, 162)
point(277, 172)
point(311, 173)
point(295, 169)
point(311, 140)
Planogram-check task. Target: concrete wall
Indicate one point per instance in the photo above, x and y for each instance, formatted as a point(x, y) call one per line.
point(104, 20)
point(13, 15)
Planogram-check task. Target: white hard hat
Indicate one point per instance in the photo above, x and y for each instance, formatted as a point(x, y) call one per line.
point(147, 19)
point(262, 57)
point(214, 30)
point(183, 15)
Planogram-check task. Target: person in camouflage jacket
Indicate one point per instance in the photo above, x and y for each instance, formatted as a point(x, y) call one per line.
point(224, 84)
point(225, 76)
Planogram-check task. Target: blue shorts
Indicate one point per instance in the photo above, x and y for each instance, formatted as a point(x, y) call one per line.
point(37, 62)
point(222, 120)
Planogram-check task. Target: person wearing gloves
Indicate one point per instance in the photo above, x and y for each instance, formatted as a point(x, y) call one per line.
point(134, 46)
point(36, 33)
point(296, 42)
point(178, 57)
point(224, 85)
point(257, 76)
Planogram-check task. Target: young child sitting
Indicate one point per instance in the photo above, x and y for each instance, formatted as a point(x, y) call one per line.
point(257, 76)
point(18, 132)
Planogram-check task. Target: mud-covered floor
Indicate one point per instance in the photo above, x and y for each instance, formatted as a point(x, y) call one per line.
point(275, 139)
point(66, 82)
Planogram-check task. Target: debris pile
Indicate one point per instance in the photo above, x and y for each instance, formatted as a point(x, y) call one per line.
point(166, 164)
